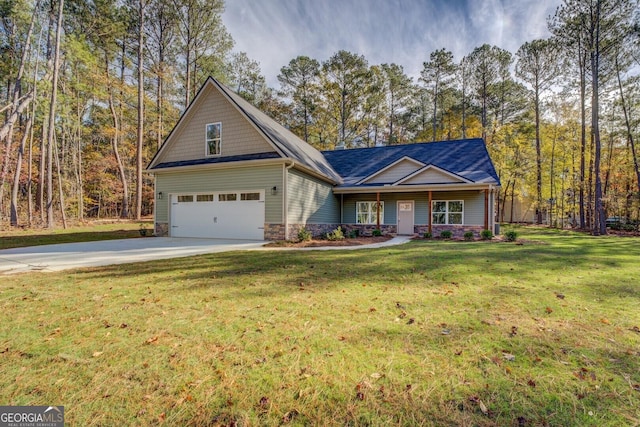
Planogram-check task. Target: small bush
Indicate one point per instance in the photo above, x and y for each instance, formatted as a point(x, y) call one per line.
point(304, 235)
point(510, 235)
point(377, 232)
point(486, 235)
point(336, 234)
point(468, 235)
point(354, 234)
point(427, 235)
point(446, 234)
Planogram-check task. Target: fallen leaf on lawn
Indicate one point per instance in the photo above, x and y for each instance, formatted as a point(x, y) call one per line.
point(559, 295)
point(635, 329)
point(636, 387)
point(264, 402)
point(531, 383)
point(372, 310)
point(549, 310)
point(289, 416)
point(483, 408)
point(402, 315)
point(514, 331)
point(360, 395)
point(412, 320)
point(508, 356)
point(97, 353)
point(445, 332)
point(507, 370)
point(152, 340)
point(376, 375)
point(605, 321)
point(161, 417)
point(123, 325)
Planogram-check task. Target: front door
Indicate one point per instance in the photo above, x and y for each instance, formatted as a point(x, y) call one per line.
point(405, 217)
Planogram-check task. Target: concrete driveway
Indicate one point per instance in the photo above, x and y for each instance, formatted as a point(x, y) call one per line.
point(108, 252)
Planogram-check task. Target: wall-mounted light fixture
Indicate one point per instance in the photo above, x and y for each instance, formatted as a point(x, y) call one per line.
point(274, 190)
point(160, 195)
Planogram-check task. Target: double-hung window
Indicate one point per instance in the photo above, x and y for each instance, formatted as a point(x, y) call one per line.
point(447, 212)
point(367, 212)
point(213, 139)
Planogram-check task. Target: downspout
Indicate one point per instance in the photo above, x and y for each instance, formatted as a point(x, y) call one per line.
point(285, 193)
point(430, 208)
point(486, 209)
point(378, 210)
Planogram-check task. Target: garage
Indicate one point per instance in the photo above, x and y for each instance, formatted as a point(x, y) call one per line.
point(221, 215)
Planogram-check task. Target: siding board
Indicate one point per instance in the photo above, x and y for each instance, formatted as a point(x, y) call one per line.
point(204, 181)
point(310, 200)
point(238, 135)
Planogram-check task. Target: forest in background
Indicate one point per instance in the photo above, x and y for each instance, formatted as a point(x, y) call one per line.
point(90, 89)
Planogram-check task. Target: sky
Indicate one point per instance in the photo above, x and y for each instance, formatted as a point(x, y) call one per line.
point(405, 32)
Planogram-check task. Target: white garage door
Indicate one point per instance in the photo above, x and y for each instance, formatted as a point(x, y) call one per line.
point(227, 215)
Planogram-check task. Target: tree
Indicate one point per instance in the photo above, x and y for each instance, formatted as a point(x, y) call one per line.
point(437, 75)
point(398, 92)
point(538, 66)
point(299, 81)
point(344, 80)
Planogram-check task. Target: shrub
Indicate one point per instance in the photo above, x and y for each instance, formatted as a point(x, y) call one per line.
point(304, 235)
point(510, 235)
point(354, 234)
point(427, 235)
point(468, 235)
point(446, 234)
point(486, 235)
point(336, 234)
point(377, 232)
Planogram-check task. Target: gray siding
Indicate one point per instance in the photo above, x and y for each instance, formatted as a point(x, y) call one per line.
point(310, 200)
point(399, 171)
point(238, 136)
point(432, 176)
point(203, 181)
point(473, 205)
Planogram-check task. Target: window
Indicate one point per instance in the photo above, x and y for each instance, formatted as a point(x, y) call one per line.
point(185, 199)
point(204, 198)
point(367, 212)
point(213, 139)
point(447, 212)
point(249, 196)
point(228, 197)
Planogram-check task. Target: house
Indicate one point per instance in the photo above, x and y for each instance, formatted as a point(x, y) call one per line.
point(227, 170)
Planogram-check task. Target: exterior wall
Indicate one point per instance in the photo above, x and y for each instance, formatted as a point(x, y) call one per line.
point(473, 207)
point(246, 178)
point(238, 135)
point(432, 176)
point(395, 173)
point(310, 201)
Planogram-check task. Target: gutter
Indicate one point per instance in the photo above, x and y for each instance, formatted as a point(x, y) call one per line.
point(221, 165)
point(412, 188)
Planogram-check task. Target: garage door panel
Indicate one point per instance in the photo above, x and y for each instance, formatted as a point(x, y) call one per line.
point(231, 219)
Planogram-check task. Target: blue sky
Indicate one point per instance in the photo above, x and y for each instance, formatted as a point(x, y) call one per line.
point(401, 31)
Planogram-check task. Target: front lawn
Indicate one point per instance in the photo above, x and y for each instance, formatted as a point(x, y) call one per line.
point(544, 332)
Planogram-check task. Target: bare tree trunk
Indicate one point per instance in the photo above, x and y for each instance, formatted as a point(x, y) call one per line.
point(599, 226)
point(124, 212)
point(60, 192)
point(52, 115)
point(16, 175)
point(627, 122)
point(141, 7)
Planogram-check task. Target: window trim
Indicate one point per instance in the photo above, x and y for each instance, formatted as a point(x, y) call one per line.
point(371, 213)
point(206, 140)
point(447, 212)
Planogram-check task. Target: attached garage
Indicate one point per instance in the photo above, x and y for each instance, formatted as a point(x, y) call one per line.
point(224, 215)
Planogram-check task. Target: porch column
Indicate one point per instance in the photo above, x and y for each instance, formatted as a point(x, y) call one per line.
point(430, 212)
point(378, 210)
point(486, 209)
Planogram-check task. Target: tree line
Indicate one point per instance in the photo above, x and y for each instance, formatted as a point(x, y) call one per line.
point(91, 89)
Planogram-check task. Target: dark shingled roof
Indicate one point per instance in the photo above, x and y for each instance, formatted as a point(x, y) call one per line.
point(292, 146)
point(467, 158)
point(214, 160)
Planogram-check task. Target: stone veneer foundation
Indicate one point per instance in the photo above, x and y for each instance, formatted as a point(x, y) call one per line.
point(457, 230)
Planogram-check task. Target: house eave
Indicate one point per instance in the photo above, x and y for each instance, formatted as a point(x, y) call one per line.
point(415, 188)
point(226, 165)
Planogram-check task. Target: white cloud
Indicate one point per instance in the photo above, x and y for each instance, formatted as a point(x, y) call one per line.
point(402, 31)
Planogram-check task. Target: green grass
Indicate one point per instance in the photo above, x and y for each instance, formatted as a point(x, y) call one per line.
point(419, 334)
point(125, 229)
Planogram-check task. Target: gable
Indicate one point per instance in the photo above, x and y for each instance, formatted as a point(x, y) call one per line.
point(187, 141)
point(394, 172)
point(432, 175)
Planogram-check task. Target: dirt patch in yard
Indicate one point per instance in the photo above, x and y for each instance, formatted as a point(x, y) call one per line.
point(315, 243)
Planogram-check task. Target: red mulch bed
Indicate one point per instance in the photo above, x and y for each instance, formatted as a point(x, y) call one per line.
point(315, 243)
